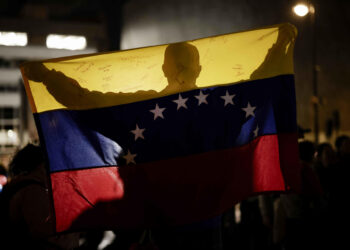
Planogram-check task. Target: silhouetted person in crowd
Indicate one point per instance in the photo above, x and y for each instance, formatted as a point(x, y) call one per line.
point(339, 191)
point(340, 188)
point(255, 223)
point(342, 144)
point(324, 166)
point(27, 207)
point(298, 208)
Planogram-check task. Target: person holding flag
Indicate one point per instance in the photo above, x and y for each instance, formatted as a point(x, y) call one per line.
point(127, 150)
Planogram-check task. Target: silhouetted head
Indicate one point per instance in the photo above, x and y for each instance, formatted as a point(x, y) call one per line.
point(342, 144)
point(26, 160)
point(181, 65)
point(306, 151)
point(325, 154)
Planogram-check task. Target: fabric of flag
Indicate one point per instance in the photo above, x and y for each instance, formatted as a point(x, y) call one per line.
point(170, 134)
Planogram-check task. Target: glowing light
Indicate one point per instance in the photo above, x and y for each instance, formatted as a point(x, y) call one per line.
point(13, 38)
point(301, 10)
point(238, 215)
point(11, 134)
point(8, 137)
point(54, 41)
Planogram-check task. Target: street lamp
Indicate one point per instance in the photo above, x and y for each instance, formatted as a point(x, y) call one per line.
point(302, 10)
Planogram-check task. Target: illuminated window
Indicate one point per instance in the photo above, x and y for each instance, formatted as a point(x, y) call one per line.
point(9, 126)
point(55, 41)
point(13, 38)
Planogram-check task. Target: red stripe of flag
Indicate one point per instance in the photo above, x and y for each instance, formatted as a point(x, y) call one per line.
point(176, 191)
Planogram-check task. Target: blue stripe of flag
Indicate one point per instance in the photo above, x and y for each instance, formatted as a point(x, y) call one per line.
point(106, 136)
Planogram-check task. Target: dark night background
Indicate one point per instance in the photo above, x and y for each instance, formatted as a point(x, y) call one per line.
point(124, 24)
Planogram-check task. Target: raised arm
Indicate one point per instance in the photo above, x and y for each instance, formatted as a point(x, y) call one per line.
point(69, 93)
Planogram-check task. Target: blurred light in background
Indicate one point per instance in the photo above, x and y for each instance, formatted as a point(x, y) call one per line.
point(238, 215)
point(54, 41)
point(301, 9)
point(13, 38)
point(9, 137)
point(11, 134)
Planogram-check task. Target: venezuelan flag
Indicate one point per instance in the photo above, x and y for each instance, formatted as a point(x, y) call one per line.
point(170, 134)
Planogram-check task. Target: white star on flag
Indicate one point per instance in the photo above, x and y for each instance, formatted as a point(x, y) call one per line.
point(181, 102)
point(249, 110)
point(228, 98)
point(256, 131)
point(129, 157)
point(201, 98)
point(138, 132)
point(158, 112)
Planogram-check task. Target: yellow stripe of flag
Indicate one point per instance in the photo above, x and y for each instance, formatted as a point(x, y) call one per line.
point(108, 79)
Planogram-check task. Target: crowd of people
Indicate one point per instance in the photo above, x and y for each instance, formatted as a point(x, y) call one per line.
point(314, 218)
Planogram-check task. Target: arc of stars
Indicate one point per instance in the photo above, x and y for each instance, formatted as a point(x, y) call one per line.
point(181, 103)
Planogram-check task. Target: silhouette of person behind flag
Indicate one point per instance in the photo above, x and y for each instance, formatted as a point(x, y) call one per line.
point(181, 68)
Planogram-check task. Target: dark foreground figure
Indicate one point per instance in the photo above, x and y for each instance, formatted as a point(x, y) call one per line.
point(26, 218)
